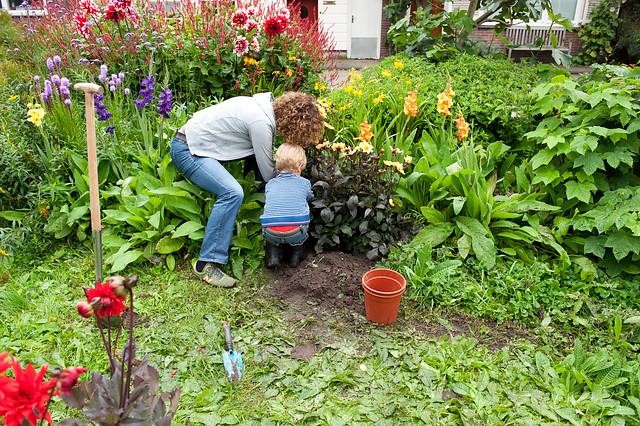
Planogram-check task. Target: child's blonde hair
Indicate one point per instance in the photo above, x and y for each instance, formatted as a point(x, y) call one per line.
point(290, 157)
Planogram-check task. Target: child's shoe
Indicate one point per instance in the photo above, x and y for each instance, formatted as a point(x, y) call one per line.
point(274, 255)
point(297, 254)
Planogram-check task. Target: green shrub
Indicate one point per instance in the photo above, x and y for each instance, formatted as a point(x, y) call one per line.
point(587, 154)
point(598, 36)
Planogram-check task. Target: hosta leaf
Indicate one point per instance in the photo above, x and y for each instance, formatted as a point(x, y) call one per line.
point(622, 244)
point(168, 245)
point(579, 190)
point(590, 162)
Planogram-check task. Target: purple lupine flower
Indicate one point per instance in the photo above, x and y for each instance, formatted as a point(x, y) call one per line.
point(112, 89)
point(83, 60)
point(55, 79)
point(64, 91)
point(121, 75)
point(103, 73)
point(67, 102)
point(57, 61)
point(64, 82)
point(164, 103)
point(111, 129)
point(118, 81)
point(50, 64)
point(127, 91)
point(101, 108)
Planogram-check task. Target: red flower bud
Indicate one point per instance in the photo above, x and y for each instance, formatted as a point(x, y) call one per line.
point(84, 309)
point(116, 283)
point(68, 378)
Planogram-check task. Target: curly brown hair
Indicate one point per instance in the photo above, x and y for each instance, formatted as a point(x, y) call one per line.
point(298, 119)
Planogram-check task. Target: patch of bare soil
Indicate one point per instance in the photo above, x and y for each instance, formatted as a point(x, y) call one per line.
point(324, 301)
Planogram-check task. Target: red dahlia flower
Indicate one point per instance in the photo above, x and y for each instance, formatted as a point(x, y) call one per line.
point(25, 397)
point(105, 303)
point(274, 26)
point(69, 377)
point(240, 18)
point(112, 13)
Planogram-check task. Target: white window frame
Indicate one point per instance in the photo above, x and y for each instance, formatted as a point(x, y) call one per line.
point(20, 12)
point(579, 18)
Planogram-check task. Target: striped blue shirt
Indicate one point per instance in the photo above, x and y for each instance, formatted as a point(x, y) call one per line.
point(287, 200)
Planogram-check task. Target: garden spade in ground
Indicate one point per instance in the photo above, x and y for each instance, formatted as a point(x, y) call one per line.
point(89, 90)
point(231, 359)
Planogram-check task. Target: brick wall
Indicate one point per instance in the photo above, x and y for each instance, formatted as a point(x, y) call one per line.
point(385, 24)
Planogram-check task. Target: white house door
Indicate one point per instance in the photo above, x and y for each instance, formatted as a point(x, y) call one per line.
point(365, 17)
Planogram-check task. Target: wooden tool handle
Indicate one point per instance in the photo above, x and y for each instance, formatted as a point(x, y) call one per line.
point(89, 90)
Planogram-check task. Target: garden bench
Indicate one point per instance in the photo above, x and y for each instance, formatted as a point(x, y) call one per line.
point(523, 38)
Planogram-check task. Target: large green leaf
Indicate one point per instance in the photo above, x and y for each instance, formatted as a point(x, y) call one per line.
point(432, 215)
point(542, 158)
point(581, 142)
point(187, 228)
point(11, 215)
point(119, 261)
point(590, 162)
point(622, 244)
point(579, 190)
point(483, 246)
point(435, 234)
point(545, 175)
point(168, 245)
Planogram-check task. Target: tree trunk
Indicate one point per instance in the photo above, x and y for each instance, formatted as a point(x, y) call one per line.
point(473, 6)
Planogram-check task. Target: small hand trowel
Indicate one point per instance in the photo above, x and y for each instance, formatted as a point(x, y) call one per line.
point(231, 359)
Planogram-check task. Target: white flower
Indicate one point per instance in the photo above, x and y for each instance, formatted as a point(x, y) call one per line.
point(240, 46)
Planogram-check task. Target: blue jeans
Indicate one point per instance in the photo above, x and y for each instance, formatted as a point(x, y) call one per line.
point(297, 237)
point(211, 176)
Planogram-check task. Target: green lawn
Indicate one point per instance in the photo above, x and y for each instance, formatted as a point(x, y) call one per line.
point(425, 369)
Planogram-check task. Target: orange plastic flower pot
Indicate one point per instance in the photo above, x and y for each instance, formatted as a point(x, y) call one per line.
point(383, 289)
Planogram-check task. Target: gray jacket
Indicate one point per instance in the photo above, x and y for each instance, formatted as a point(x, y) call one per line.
point(234, 129)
